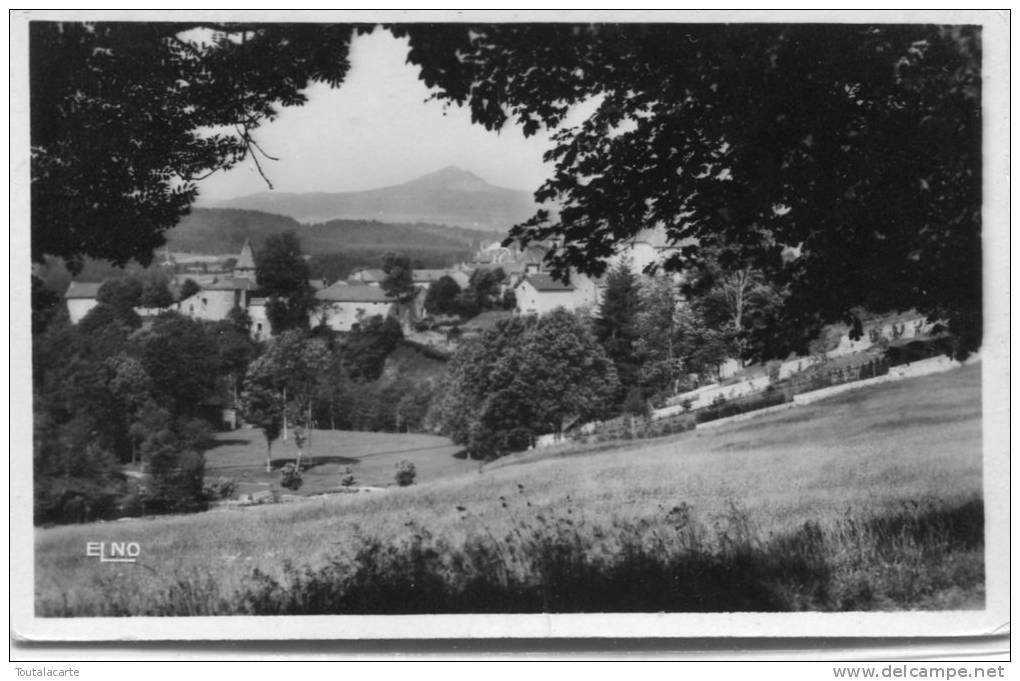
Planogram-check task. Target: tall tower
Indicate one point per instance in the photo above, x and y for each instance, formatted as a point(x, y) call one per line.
point(244, 268)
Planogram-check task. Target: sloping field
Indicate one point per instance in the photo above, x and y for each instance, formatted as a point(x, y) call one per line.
point(865, 454)
point(241, 455)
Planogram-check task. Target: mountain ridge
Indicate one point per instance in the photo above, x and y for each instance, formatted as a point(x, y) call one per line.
point(448, 196)
point(221, 231)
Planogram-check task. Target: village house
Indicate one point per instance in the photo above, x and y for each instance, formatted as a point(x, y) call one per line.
point(368, 277)
point(539, 293)
point(260, 328)
point(81, 297)
point(341, 306)
point(215, 301)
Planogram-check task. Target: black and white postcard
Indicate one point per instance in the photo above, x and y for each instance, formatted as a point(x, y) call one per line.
point(422, 325)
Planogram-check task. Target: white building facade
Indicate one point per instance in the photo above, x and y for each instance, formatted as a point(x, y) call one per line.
point(342, 306)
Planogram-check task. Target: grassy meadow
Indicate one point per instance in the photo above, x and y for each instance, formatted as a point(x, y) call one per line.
point(372, 457)
point(869, 500)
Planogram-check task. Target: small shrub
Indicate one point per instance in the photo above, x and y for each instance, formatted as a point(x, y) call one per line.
point(405, 473)
point(347, 477)
point(518, 439)
point(635, 403)
point(290, 477)
point(222, 488)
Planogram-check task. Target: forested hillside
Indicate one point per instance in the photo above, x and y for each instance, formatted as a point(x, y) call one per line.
point(223, 230)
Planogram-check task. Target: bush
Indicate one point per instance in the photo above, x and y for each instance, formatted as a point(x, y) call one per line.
point(519, 439)
point(222, 488)
point(175, 479)
point(405, 473)
point(635, 403)
point(347, 477)
point(290, 477)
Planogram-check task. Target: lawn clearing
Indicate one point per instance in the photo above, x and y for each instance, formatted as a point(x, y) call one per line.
point(863, 455)
point(241, 455)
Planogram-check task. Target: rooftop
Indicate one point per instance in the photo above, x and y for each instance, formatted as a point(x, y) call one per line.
point(83, 289)
point(371, 275)
point(246, 259)
point(544, 282)
point(353, 293)
point(487, 320)
point(230, 284)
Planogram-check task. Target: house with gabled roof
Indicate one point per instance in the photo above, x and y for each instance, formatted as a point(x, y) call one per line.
point(539, 293)
point(81, 297)
point(342, 306)
point(215, 301)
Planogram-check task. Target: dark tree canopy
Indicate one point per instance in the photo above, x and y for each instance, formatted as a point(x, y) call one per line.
point(189, 288)
point(615, 324)
point(524, 377)
point(399, 281)
point(859, 145)
point(441, 297)
point(282, 276)
point(117, 111)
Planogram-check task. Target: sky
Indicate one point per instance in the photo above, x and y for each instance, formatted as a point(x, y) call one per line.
point(377, 130)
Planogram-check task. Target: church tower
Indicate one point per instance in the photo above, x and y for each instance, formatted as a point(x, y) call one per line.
point(244, 268)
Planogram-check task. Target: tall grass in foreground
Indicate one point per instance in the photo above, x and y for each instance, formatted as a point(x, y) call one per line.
point(921, 556)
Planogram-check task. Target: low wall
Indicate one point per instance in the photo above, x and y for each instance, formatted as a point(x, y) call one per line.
point(932, 365)
point(924, 367)
point(747, 415)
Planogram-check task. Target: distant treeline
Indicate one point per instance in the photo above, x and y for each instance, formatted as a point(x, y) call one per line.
point(222, 231)
point(334, 266)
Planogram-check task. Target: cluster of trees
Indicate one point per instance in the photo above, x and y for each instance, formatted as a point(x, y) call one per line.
point(524, 377)
point(485, 291)
point(108, 392)
point(650, 338)
point(309, 379)
point(662, 333)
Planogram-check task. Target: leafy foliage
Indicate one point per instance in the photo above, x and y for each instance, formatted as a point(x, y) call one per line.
point(119, 114)
point(189, 288)
point(405, 473)
point(399, 281)
point(262, 406)
point(182, 360)
point(45, 304)
point(862, 151)
point(615, 323)
point(740, 302)
point(539, 373)
point(122, 294)
point(106, 395)
point(441, 297)
point(367, 346)
point(290, 477)
point(282, 275)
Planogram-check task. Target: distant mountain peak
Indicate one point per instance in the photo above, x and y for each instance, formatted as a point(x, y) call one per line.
point(450, 196)
point(451, 177)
